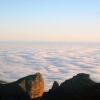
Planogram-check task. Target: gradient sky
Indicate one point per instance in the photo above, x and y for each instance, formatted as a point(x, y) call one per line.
point(50, 20)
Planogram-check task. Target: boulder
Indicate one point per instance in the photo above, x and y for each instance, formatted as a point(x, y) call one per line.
point(30, 87)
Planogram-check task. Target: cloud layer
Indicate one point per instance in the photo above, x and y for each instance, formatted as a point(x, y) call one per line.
point(54, 62)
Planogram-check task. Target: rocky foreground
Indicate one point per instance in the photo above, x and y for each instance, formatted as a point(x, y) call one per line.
point(79, 87)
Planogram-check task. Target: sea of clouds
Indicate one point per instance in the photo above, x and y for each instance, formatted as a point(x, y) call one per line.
point(57, 62)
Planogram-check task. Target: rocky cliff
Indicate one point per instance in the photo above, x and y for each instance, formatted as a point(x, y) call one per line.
point(79, 87)
point(29, 87)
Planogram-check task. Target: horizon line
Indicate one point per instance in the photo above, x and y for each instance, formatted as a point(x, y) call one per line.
point(37, 41)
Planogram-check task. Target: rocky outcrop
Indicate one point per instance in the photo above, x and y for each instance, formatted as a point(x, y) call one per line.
point(29, 87)
point(33, 85)
point(55, 86)
point(79, 87)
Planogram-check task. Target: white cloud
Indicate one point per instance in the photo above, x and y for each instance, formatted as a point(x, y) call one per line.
point(55, 63)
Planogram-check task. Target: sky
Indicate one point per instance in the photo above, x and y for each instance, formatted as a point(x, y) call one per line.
point(50, 20)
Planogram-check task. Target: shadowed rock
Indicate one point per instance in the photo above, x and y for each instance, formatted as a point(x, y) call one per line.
point(80, 87)
point(55, 86)
point(79, 83)
point(29, 87)
point(2, 82)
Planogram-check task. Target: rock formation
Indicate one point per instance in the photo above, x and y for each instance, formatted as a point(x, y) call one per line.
point(79, 87)
point(55, 86)
point(29, 87)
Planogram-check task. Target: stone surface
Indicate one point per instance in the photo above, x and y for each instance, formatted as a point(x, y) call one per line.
point(79, 87)
point(30, 87)
point(34, 86)
point(55, 85)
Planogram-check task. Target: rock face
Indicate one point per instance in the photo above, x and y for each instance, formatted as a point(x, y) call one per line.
point(37, 86)
point(29, 87)
point(55, 86)
point(78, 84)
point(80, 87)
